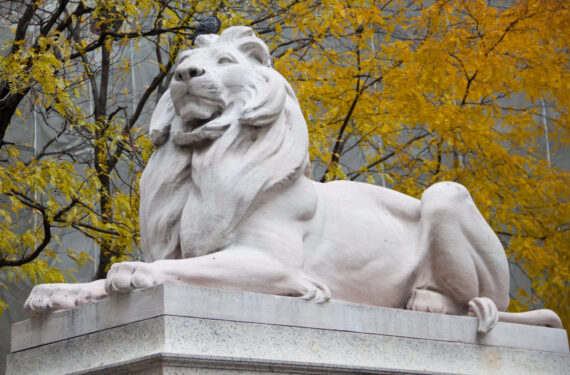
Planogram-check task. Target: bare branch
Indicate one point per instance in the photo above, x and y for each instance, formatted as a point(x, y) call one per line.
point(23, 24)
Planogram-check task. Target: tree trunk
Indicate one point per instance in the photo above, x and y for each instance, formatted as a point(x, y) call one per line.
point(8, 107)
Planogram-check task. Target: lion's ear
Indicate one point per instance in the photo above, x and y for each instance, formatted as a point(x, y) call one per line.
point(257, 50)
point(248, 43)
point(205, 40)
point(161, 119)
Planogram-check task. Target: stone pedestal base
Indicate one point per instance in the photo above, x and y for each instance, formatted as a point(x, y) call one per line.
point(189, 330)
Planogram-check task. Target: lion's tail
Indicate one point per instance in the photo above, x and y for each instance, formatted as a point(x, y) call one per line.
point(542, 317)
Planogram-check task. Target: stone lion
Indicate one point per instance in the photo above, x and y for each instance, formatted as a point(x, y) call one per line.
point(226, 201)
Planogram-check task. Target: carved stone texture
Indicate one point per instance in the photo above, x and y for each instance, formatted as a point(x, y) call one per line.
point(227, 202)
point(181, 329)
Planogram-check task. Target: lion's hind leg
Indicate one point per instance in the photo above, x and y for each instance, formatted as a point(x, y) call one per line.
point(483, 308)
point(313, 290)
point(432, 301)
point(463, 258)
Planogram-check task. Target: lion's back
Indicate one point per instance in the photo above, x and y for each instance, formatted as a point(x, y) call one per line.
point(365, 208)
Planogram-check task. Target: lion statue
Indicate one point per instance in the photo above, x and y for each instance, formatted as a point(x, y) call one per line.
point(227, 201)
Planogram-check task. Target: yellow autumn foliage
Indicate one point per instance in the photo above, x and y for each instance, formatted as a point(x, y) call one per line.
point(400, 93)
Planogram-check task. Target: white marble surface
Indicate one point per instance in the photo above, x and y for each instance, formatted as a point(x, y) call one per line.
point(184, 345)
point(199, 302)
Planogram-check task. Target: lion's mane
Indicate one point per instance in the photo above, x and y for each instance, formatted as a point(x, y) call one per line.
point(223, 167)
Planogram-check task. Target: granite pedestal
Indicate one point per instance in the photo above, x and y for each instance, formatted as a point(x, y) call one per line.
point(173, 329)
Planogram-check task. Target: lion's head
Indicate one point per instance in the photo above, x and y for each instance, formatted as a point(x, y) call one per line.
point(244, 126)
point(224, 79)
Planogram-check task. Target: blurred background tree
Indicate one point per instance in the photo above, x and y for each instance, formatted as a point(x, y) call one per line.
point(398, 93)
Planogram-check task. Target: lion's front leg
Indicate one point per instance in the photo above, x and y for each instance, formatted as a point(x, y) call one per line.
point(234, 268)
point(126, 276)
point(46, 298)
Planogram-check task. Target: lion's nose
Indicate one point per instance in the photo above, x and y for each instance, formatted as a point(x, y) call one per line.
point(185, 73)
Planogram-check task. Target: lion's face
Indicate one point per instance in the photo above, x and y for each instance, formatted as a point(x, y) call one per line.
point(225, 82)
point(208, 80)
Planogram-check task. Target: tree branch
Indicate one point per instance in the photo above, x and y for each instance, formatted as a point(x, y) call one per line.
point(115, 35)
point(27, 259)
point(339, 143)
point(354, 175)
point(23, 24)
point(55, 16)
point(47, 232)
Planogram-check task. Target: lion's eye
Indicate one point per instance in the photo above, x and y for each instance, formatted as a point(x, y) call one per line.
point(180, 59)
point(225, 59)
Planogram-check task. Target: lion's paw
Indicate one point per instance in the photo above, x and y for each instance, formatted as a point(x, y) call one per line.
point(47, 298)
point(159, 136)
point(486, 312)
point(315, 290)
point(126, 276)
point(430, 301)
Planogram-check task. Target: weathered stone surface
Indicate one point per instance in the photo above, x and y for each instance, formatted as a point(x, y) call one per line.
point(173, 329)
point(227, 202)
